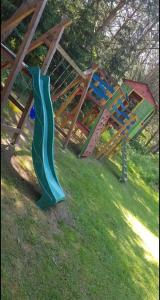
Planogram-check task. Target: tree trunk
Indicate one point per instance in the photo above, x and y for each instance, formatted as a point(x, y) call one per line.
point(152, 137)
point(111, 16)
point(145, 32)
point(154, 149)
point(144, 126)
point(24, 5)
point(123, 25)
point(151, 75)
point(137, 53)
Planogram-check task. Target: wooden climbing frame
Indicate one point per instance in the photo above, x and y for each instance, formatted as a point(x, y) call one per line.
point(30, 7)
point(95, 134)
point(116, 139)
point(51, 39)
point(81, 101)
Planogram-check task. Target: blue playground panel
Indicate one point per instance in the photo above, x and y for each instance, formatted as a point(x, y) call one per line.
point(99, 93)
point(119, 120)
point(120, 113)
point(102, 87)
point(121, 104)
point(103, 83)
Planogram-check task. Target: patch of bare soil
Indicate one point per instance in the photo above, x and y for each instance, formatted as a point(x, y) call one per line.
point(60, 213)
point(57, 213)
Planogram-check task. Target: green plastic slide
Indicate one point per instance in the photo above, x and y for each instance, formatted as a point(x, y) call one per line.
point(43, 141)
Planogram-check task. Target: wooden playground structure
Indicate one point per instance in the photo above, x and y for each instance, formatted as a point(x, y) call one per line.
point(87, 103)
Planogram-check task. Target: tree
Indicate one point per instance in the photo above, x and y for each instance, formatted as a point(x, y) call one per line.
point(111, 16)
point(117, 34)
point(152, 137)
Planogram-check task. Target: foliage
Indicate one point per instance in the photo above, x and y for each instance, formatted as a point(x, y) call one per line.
point(127, 46)
point(137, 145)
point(86, 43)
point(149, 172)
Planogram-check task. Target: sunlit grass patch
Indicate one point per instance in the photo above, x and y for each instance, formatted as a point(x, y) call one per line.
point(100, 244)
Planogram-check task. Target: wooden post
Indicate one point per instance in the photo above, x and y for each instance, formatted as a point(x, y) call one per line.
point(22, 51)
point(70, 86)
point(81, 101)
point(66, 103)
point(5, 65)
point(48, 36)
point(26, 8)
point(10, 56)
point(51, 51)
point(95, 134)
point(116, 139)
point(71, 62)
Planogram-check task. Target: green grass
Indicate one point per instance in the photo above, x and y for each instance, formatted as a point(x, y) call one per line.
point(100, 244)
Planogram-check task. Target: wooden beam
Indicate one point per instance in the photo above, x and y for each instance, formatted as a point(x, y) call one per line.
point(45, 66)
point(81, 101)
point(50, 54)
point(60, 130)
point(42, 40)
point(66, 103)
point(71, 62)
point(115, 140)
point(116, 121)
point(13, 100)
point(16, 103)
point(11, 58)
point(35, 44)
point(22, 119)
point(48, 36)
point(5, 65)
point(7, 53)
point(52, 50)
point(68, 87)
point(21, 13)
point(10, 128)
point(23, 51)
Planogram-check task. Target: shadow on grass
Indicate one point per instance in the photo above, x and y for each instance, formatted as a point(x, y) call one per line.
point(10, 174)
point(111, 167)
point(144, 206)
point(104, 257)
point(105, 233)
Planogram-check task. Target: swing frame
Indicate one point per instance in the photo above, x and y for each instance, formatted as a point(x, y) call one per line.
point(51, 39)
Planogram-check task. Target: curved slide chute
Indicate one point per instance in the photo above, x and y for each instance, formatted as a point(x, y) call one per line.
point(43, 141)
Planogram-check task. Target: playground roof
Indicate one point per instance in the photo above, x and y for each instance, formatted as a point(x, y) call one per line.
point(142, 89)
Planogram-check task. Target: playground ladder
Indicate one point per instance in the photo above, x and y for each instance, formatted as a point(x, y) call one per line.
point(116, 139)
point(112, 144)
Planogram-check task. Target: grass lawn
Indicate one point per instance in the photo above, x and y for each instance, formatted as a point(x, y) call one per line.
point(101, 243)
